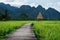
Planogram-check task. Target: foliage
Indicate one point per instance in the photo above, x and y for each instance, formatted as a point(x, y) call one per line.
point(23, 16)
point(4, 16)
point(0, 16)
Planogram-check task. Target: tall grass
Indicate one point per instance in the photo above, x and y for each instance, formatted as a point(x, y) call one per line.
point(47, 30)
point(8, 26)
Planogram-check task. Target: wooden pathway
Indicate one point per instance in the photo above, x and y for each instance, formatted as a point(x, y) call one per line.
point(24, 33)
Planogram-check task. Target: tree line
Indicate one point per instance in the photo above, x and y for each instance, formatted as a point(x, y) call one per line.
point(5, 16)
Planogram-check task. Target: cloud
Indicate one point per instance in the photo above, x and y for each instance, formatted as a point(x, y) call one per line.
point(55, 5)
point(9, 0)
point(46, 4)
point(20, 2)
point(14, 2)
point(2, 0)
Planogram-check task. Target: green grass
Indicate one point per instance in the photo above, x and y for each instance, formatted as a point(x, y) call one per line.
point(47, 30)
point(8, 26)
point(44, 30)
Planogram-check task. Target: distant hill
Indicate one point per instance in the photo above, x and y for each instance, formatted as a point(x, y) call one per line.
point(52, 14)
point(31, 12)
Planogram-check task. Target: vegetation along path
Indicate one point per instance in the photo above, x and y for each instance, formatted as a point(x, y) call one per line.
point(24, 33)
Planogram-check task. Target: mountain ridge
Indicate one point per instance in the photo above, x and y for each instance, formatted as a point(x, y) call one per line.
point(32, 12)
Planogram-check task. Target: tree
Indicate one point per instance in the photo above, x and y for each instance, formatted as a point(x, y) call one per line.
point(5, 16)
point(0, 16)
point(23, 16)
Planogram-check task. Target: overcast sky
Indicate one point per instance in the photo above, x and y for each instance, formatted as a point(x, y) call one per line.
point(45, 3)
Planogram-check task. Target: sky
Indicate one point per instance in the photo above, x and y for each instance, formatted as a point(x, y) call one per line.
point(45, 3)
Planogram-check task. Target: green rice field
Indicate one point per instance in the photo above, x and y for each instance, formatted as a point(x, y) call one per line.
point(44, 30)
point(47, 30)
point(8, 26)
